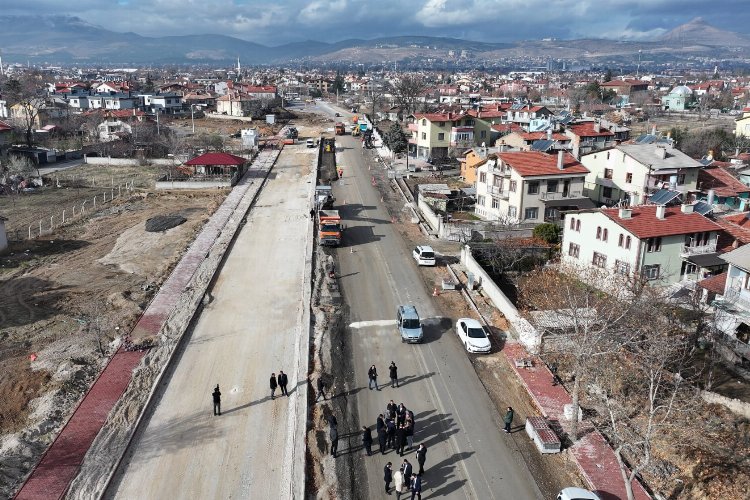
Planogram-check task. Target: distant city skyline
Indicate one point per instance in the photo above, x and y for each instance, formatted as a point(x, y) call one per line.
point(276, 23)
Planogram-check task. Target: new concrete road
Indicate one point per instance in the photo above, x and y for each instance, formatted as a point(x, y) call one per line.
point(256, 324)
point(468, 455)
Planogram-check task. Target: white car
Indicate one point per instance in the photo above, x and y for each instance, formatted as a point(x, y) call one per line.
point(576, 494)
point(424, 255)
point(472, 335)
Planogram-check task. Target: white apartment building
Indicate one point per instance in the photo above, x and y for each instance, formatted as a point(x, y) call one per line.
point(631, 172)
point(529, 186)
point(733, 315)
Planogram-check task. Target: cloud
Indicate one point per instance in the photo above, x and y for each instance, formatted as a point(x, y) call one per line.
point(276, 22)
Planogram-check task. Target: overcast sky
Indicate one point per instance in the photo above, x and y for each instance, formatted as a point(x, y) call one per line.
point(274, 22)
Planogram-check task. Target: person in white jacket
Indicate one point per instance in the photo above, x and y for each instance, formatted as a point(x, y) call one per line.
point(398, 483)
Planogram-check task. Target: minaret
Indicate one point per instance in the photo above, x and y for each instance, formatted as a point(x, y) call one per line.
point(239, 70)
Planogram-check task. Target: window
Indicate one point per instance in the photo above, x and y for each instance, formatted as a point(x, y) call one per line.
point(628, 178)
point(551, 186)
point(607, 173)
point(441, 124)
point(599, 232)
point(531, 213)
point(599, 260)
point(605, 234)
point(574, 250)
point(495, 202)
point(572, 223)
point(533, 187)
point(483, 177)
point(512, 211)
point(621, 240)
point(480, 200)
point(747, 282)
point(578, 226)
point(627, 243)
point(651, 272)
point(680, 179)
point(483, 134)
point(622, 267)
point(424, 122)
point(606, 192)
point(512, 187)
point(607, 155)
point(441, 136)
point(653, 244)
point(424, 135)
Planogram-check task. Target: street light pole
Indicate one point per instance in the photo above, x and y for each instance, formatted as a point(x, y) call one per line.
point(192, 116)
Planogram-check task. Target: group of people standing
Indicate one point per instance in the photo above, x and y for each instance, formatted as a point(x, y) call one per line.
point(404, 477)
point(279, 381)
point(394, 427)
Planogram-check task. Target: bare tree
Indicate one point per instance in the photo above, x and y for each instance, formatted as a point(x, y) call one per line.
point(97, 324)
point(577, 320)
point(27, 95)
point(407, 91)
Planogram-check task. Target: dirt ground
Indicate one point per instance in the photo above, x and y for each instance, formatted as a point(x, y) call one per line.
point(67, 298)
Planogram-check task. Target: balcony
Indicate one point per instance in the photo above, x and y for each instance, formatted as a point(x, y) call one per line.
point(499, 171)
point(687, 251)
point(498, 192)
point(560, 195)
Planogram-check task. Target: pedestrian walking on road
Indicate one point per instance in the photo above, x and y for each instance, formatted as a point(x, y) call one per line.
point(508, 419)
point(367, 439)
point(274, 384)
point(217, 400)
point(321, 389)
point(406, 469)
point(282, 380)
point(393, 369)
point(382, 439)
point(372, 375)
point(398, 483)
point(387, 477)
point(421, 457)
point(312, 213)
point(416, 487)
point(334, 433)
point(401, 439)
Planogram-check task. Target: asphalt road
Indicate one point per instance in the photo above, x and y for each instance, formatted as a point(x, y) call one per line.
point(250, 329)
point(468, 455)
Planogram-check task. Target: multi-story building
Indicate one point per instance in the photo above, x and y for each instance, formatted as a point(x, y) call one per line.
point(733, 309)
point(586, 137)
point(742, 125)
point(631, 172)
point(666, 245)
point(529, 186)
point(434, 134)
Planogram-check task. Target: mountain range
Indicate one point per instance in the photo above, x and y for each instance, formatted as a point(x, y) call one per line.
point(70, 40)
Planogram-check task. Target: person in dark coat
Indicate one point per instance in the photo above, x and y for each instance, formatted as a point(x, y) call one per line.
point(409, 432)
point(282, 380)
point(274, 384)
point(382, 439)
point(416, 487)
point(406, 469)
point(391, 425)
point(367, 439)
point(421, 457)
point(401, 414)
point(401, 439)
point(321, 389)
point(508, 419)
point(334, 433)
point(393, 369)
point(217, 400)
point(380, 423)
point(390, 410)
point(372, 375)
point(387, 477)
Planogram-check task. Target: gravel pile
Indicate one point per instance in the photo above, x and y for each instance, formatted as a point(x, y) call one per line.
point(163, 222)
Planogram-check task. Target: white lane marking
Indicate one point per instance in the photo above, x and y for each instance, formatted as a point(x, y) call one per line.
point(377, 322)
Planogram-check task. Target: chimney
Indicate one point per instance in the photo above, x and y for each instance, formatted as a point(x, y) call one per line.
point(661, 152)
point(653, 130)
point(549, 134)
point(711, 196)
point(687, 208)
point(661, 211)
point(597, 127)
point(560, 160)
point(626, 213)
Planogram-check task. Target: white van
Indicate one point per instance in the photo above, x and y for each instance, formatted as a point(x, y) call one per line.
point(310, 143)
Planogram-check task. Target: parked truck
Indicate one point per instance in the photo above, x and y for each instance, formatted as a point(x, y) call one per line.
point(323, 197)
point(340, 128)
point(329, 227)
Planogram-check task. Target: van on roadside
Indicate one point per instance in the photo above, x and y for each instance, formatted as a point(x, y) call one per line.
point(409, 324)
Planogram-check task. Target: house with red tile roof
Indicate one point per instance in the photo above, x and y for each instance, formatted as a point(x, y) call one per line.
point(6, 132)
point(435, 134)
point(663, 245)
point(523, 141)
point(587, 137)
point(735, 303)
point(627, 86)
point(529, 186)
point(716, 182)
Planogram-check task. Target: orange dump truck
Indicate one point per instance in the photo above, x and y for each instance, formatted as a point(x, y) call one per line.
point(329, 227)
point(340, 128)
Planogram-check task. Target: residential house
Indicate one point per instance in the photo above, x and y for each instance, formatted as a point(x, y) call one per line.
point(718, 186)
point(169, 104)
point(434, 134)
point(632, 172)
point(679, 98)
point(485, 117)
point(667, 245)
point(733, 310)
point(529, 116)
point(261, 93)
point(234, 104)
point(626, 87)
point(588, 136)
point(472, 160)
point(741, 126)
point(117, 124)
point(523, 141)
point(529, 186)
